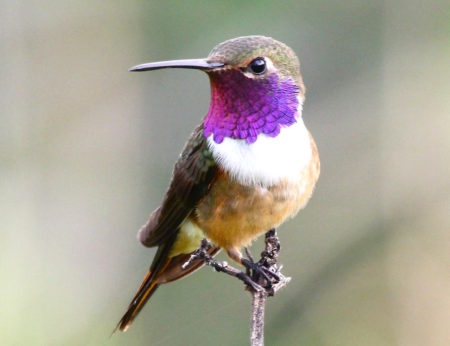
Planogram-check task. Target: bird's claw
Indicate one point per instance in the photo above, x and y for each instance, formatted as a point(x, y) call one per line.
point(257, 271)
point(200, 254)
point(263, 275)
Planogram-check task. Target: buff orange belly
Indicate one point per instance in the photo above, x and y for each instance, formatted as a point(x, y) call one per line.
point(232, 215)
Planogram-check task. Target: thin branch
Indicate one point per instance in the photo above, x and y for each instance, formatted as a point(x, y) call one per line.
point(257, 321)
point(262, 278)
point(268, 261)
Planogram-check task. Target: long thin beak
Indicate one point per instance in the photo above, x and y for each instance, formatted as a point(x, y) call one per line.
point(199, 64)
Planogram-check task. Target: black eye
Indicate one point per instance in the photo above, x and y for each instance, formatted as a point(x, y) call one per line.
point(257, 66)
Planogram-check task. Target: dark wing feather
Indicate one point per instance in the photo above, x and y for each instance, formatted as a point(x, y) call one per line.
point(192, 177)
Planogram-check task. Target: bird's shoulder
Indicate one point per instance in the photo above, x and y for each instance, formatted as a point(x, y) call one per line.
point(193, 174)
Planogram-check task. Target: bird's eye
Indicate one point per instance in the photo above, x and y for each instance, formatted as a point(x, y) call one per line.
point(257, 66)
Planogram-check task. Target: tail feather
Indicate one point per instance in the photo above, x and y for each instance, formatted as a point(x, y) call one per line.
point(145, 291)
point(148, 285)
point(162, 271)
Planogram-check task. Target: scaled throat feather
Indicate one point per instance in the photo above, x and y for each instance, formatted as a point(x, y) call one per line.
point(243, 107)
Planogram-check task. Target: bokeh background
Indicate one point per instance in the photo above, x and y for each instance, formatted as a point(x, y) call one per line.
point(86, 152)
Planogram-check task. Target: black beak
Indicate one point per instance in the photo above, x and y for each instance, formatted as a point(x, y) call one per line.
point(198, 64)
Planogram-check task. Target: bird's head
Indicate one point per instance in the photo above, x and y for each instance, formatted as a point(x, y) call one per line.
point(256, 87)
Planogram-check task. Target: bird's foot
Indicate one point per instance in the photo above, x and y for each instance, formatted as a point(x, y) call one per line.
point(244, 277)
point(263, 275)
point(202, 254)
point(266, 272)
point(259, 272)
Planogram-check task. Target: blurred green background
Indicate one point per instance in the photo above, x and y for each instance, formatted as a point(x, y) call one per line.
point(87, 148)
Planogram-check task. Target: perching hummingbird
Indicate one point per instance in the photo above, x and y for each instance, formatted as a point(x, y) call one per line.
point(249, 166)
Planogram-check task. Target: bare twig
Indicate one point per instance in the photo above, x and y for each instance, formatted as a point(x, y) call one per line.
point(263, 279)
point(268, 261)
point(257, 322)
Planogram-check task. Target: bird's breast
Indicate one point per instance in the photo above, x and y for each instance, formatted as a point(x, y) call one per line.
point(234, 212)
point(268, 160)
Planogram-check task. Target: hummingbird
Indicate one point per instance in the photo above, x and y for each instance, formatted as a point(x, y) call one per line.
point(248, 167)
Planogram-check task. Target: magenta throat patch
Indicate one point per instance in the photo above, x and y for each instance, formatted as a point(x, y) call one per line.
point(243, 108)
